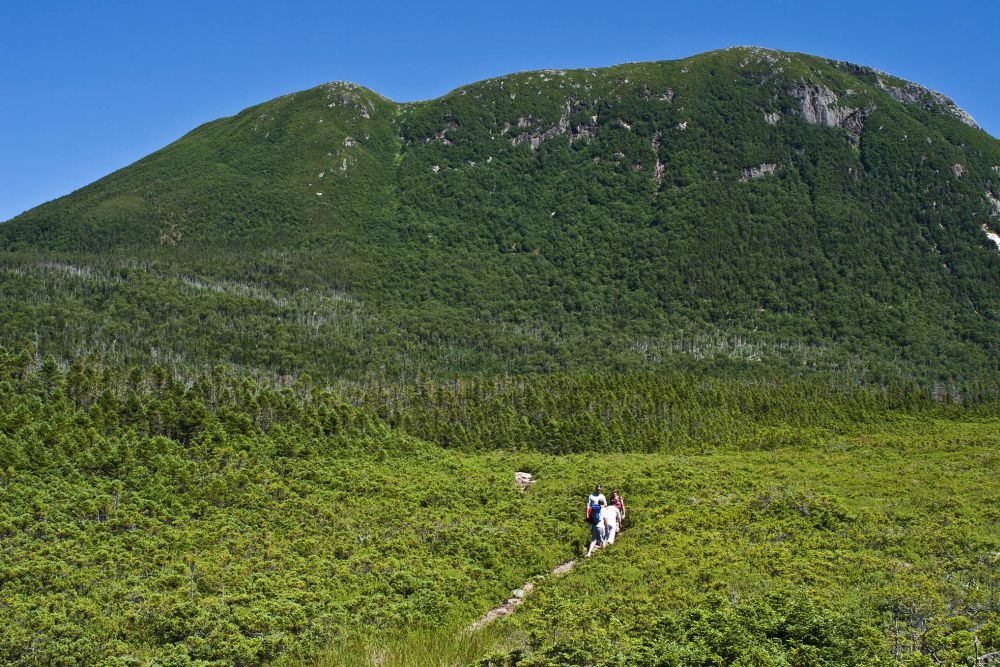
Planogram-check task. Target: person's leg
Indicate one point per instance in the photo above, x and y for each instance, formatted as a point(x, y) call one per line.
point(595, 537)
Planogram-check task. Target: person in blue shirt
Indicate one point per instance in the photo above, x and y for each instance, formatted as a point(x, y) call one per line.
point(598, 526)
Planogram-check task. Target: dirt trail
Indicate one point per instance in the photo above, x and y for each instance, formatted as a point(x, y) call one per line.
point(523, 481)
point(508, 607)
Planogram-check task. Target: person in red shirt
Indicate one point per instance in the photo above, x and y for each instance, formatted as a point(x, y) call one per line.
point(619, 502)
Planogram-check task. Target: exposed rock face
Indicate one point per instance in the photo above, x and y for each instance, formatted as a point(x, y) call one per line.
point(588, 130)
point(442, 135)
point(820, 107)
point(765, 169)
point(536, 139)
point(912, 93)
point(854, 123)
point(994, 202)
point(659, 169)
point(992, 236)
point(909, 92)
point(958, 169)
point(772, 117)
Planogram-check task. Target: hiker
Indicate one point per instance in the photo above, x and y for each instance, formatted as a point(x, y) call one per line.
point(619, 502)
point(611, 517)
point(598, 527)
point(595, 498)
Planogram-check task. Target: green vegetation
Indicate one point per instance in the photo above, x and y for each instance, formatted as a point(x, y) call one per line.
point(539, 222)
point(232, 521)
point(270, 385)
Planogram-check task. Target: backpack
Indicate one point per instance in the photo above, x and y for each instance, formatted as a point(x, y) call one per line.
point(595, 514)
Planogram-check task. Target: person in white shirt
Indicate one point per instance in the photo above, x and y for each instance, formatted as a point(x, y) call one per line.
point(611, 517)
point(595, 499)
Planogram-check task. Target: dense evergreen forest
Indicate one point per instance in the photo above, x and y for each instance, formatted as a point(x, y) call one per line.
point(263, 393)
point(742, 211)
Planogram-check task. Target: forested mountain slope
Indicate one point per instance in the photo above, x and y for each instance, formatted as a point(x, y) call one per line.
point(741, 209)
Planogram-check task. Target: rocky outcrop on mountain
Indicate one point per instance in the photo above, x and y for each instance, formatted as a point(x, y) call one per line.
point(442, 135)
point(855, 122)
point(992, 236)
point(912, 93)
point(535, 139)
point(660, 168)
point(820, 106)
point(994, 202)
point(563, 127)
point(908, 92)
point(351, 95)
point(764, 169)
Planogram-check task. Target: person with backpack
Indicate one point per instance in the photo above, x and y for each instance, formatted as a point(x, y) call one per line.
point(598, 527)
point(594, 498)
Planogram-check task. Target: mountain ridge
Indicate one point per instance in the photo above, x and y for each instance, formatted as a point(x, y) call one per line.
point(910, 87)
point(569, 217)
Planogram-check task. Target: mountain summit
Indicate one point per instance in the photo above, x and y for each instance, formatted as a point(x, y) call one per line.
point(744, 208)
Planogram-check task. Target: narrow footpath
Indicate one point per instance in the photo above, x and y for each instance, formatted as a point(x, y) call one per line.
point(523, 481)
point(508, 607)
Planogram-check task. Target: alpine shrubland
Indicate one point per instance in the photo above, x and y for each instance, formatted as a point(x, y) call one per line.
point(146, 520)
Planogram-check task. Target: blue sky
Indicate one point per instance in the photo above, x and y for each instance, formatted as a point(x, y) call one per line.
point(88, 87)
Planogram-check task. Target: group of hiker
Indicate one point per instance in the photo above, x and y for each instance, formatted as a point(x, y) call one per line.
point(605, 519)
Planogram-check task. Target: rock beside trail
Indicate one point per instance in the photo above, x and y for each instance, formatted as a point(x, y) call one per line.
point(564, 568)
point(523, 480)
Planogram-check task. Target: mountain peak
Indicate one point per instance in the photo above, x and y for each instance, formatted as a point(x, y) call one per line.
point(549, 219)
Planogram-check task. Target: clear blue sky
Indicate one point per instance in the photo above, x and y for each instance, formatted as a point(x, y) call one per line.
point(90, 86)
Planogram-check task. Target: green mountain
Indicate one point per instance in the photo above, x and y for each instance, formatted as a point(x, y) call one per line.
point(741, 210)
